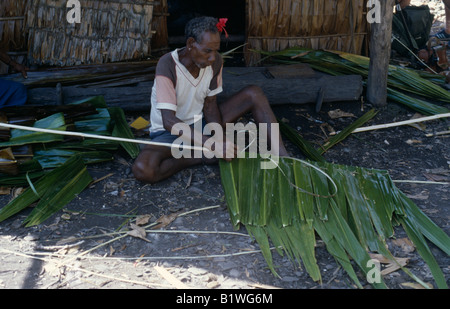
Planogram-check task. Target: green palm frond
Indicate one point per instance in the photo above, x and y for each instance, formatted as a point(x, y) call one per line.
point(400, 79)
point(122, 129)
point(227, 53)
point(348, 130)
point(53, 191)
point(57, 171)
point(353, 210)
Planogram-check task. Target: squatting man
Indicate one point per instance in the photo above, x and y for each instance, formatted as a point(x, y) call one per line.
point(187, 82)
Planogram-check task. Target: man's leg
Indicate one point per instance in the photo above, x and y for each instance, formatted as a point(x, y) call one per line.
point(251, 99)
point(156, 163)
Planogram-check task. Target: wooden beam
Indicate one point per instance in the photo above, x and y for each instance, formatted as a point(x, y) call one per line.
point(135, 94)
point(380, 52)
point(295, 89)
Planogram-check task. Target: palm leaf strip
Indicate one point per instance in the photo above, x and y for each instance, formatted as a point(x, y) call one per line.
point(355, 220)
point(60, 191)
point(348, 130)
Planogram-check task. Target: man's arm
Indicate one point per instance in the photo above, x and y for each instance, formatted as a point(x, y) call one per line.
point(212, 114)
point(170, 119)
point(211, 111)
point(229, 150)
point(16, 66)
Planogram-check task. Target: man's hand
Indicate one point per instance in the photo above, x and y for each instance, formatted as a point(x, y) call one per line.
point(222, 149)
point(4, 57)
point(20, 68)
point(230, 150)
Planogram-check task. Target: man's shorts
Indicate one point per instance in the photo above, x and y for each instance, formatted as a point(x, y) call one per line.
point(166, 137)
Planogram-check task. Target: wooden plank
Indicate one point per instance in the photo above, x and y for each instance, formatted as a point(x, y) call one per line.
point(380, 52)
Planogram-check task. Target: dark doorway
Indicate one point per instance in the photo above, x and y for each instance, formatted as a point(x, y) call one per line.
point(181, 11)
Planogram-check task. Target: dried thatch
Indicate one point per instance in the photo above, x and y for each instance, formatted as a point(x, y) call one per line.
point(12, 24)
point(275, 25)
point(12, 35)
point(109, 31)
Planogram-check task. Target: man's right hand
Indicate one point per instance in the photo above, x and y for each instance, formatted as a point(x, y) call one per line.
point(230, 150)
point(227, 150)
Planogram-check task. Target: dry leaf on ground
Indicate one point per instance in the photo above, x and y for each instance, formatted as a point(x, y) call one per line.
point(142, 219)
point(414, 285)
point(406, 244)
point(165, 220)
point(391, 265)
point(138, 232)
point(337, 113)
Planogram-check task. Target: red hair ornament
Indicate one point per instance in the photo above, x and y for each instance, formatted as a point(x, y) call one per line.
point(221, 26)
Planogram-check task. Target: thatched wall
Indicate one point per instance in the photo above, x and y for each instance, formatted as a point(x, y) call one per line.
point(110, 30)
point(275, 25)
point(12, 15)
point(13, 38)
point(117, 30)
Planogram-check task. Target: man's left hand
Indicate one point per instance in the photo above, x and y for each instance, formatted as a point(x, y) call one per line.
point(20, 68)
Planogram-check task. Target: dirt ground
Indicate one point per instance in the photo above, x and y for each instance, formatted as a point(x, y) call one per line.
point(86, 246)
point(182, 254)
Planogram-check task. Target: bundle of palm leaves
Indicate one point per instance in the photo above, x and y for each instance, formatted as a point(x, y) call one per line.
point(353, 210)
point(400, 79)
point(55, 168)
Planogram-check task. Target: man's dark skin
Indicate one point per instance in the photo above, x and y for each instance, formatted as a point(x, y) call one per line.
point(156, 163)
point(16, 66)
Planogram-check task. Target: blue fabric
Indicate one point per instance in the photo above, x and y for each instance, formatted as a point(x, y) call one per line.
point(12, 93)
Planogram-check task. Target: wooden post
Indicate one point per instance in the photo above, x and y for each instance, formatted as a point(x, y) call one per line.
point(380, 52)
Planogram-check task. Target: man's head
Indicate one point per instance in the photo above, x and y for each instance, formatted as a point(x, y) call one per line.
point(202, 40)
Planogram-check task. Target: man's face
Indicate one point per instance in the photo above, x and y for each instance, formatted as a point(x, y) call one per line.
point(204, 53)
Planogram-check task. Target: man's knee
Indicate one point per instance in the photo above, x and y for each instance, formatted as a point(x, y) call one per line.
point(253, 92)
point(144, 172)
